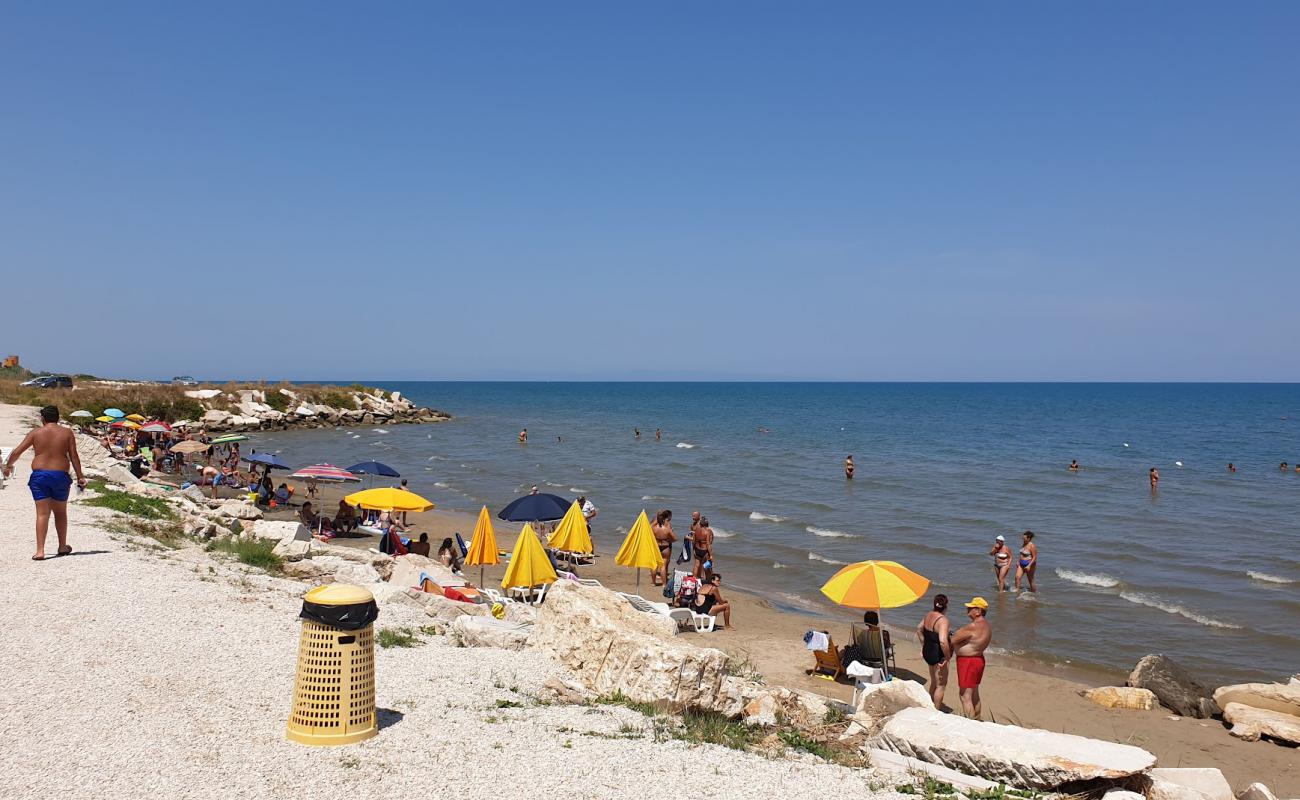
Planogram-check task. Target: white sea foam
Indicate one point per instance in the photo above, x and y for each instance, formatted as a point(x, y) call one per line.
point(777, 565)
point(721, 534)
point(758, 516)
point(379, 430)
point(356, 436)
point(830, 534)
point(1266, 578)
point(687, 445)
point(441, 485)
point(1087, 578)
point(576, 490)
point(825, 560)
point(1170, 608)
point(652, 497)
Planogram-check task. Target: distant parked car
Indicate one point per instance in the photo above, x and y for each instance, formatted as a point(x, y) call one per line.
point(53, 382)
point(184, 380)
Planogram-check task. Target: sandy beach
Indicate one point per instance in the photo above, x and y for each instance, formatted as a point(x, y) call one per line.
point(200, 654)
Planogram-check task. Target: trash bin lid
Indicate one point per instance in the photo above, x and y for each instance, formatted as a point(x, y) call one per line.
point(339, 594)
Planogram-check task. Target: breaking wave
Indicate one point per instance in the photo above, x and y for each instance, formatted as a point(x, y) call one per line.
point(1087, 578)
point(758, 516)
point(1170, 608)
point(830, 534)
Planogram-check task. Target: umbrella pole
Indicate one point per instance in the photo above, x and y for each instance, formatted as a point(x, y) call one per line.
point(638, 580)
point(480, 575)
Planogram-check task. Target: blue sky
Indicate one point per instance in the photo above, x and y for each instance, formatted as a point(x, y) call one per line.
point(950, 191)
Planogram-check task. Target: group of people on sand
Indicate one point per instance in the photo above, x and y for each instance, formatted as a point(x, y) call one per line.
point(940, 644)
point(701, 590)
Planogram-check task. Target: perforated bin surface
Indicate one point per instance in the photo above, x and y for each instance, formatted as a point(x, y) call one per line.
point(334, 695)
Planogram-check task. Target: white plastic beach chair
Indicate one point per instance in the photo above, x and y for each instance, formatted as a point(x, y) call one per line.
point(680, 616)
point(4, 458)
point(532, 595)
point(590, 582)
point(703, 622)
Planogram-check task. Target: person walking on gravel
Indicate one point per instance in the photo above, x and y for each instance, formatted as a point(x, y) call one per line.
point(56, 448)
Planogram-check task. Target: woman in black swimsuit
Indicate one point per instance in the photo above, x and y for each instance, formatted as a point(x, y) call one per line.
point(710, 600)
point(933, 633)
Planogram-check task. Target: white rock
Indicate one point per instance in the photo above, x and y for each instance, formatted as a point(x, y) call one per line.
point(407, 569)
point(903, 766)
point(1194, 783)
point(1017, 756)
point(292, 549)
point(491, 632)
point(761, 710)
point(120, 474)
point(279, 530)
point(1281, 697)
point(395, 397)
point(1121, 794)
point(1249, 723)
point(1256, 791)
point(215, 416)
point(203, 394)
point(359, 574)
point(1123, 697)
point(288, 394)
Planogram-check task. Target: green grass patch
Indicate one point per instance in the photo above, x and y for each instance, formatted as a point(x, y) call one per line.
point(509, 704)
point(397, 637)
point(710, 727)
point(797, 740)
point(620, 699)
point(133, 504)
point(253, 552)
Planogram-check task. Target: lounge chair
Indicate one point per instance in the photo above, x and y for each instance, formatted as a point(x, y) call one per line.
point(681, 616)
point(828, 661)
point(871, 648)
point(533, 595)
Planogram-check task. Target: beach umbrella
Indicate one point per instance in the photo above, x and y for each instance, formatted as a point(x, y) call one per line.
point(190, 446)
point(875, 585)
point(639, 550)
point(269, 460)
point(535, 508)
point(529, 565)
point(373, 468)
point(483, 545)
point(572, 535)
point(135, 417)
point(230, 438)
point(325, 472)
point(115, 413)
point(81, 414)
point(103, 419)
point(156, 427)
point(125, 423)
point(388, 499)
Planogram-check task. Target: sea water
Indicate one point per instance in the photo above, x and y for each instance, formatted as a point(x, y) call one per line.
point(1206, 570)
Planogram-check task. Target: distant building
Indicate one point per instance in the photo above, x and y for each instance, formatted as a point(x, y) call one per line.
point(11, 362)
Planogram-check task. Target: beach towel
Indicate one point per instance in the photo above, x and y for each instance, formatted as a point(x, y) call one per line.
point(464, 551)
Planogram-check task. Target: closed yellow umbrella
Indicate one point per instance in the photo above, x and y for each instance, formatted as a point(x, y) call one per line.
point(529, 565)
point(639, 549)
point(572, 534)
point(875, 584)
point(388, 499)
point(136, 417)
point(483, 545)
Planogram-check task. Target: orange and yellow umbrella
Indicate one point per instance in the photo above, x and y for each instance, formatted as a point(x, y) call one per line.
point(875, 584)
point(483, 545)
point(529, 565)
point(639, 549)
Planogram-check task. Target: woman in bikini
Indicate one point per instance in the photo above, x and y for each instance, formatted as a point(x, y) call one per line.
point(1028, 563)
point(709, 600)
point(662, 528)
point(1001, 562)
point(936, 649)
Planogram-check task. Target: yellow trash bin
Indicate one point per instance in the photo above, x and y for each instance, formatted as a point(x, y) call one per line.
point(334, 695)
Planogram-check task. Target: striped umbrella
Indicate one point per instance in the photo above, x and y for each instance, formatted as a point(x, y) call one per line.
point(875, 584)
point(326, 472)
point(156, 426)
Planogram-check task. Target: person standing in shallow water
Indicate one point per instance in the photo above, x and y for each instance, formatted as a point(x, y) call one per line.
point(56, 450)
point(1001, 561)
point(848, 467)
point(1154, 474)
point(1028, 562)
point(523, 436)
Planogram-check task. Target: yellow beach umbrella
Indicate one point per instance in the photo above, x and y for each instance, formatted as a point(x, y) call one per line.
point(105, 419)
point(483, 545)
point(388, 499)
point(639, 550)
point(572, 534)
point(136, 417)
point(529, 565)
point(875, 584)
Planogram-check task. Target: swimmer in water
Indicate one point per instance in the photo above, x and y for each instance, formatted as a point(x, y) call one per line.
point(1231, 467)
point(1001, 561)
point(523, 436)
point(1155, 478)
point(1028, 563)
point(636, 433)
point(1282, 466)
point(659, 435)
point(848, 467)
point(1074, 465)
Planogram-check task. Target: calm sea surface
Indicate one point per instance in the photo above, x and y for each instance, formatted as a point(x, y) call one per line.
point(1207, 570)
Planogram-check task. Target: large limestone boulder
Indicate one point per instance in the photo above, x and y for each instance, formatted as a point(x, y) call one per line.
point(406, 571)
point(1194, 783)
point(315, 568)
point(195, 493)
point(907, 768)
point(120, 474)
point(214, 416)
point(293, 549)
point(1250, 723)
point(1017, 756)
point(490, 632)
point(359, 574)
point(611, 647)
point(1173, 687)
point(1256, 791)
point(1281, 697)
point(203, 394)
point(276, 529)
point(1124, 697)
point(879, 702)
point(239, 509)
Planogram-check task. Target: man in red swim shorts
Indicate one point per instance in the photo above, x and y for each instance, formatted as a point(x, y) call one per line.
point(969, 644)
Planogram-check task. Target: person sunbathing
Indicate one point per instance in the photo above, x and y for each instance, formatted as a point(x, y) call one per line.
point(710, 600)
point(421, 548)
point(345, 520)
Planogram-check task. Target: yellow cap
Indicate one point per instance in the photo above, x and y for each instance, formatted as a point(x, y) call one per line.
point(978, 602)
point(339, 594)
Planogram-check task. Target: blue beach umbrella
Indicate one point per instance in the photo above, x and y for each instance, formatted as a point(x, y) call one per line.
point(373, 468)
point(115, 413)
point(535, 508)
point(268, 460)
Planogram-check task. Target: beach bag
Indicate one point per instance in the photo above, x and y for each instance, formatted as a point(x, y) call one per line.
point(668, 589)
point(686, 552)
point(689, 590)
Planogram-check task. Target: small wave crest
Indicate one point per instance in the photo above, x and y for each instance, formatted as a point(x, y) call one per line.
point(758, 516)
point(830, 534)
point(378, 430)
point(825, 560)
point(441, 485)
point(721, 534)
point(652, 497)
point(1151, 601)
point(1264, 577)
point(1087, 578)
point(576, 490)
point(687, 445)
point(778, 565)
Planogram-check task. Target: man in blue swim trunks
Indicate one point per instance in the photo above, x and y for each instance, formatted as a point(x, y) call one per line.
point(56, 449)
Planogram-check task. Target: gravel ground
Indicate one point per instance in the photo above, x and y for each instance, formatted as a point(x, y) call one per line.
point(131, 672)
